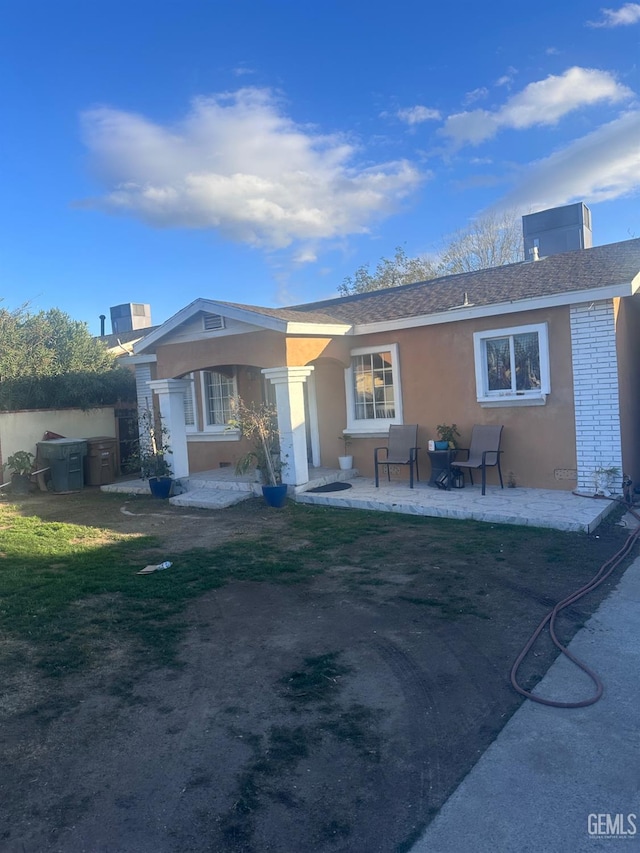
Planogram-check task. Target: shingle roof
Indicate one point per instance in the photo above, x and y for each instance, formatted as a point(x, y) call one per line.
point(123, 338)
point(585, 269)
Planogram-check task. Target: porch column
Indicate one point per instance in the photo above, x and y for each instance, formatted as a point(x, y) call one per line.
point(289, 383)
point(171, 401)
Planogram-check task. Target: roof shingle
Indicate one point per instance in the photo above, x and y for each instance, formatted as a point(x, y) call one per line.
point(585, 269)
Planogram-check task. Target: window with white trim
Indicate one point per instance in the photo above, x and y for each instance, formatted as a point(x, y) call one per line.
point(373, 389)
point(512, 365)
point(218, 389)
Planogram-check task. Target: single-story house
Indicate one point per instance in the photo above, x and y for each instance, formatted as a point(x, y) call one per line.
point(549, 348)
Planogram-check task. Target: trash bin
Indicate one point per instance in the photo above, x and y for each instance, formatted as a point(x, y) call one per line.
point(100, 461)
point(65, 459)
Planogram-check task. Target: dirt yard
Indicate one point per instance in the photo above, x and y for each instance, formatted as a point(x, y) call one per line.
point(336, 713)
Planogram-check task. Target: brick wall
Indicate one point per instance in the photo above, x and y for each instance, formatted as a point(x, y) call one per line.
point(595, 385)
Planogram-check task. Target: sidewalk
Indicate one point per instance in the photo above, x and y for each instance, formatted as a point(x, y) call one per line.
point(550, 768)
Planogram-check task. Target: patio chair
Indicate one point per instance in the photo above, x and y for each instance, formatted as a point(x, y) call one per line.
point(483, 453)
point(401, 450)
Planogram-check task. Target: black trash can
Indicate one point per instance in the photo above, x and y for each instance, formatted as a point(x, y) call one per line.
point(100, 461)
point(65, 457)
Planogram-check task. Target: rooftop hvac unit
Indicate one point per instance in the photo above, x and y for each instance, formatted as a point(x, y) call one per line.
point(560, 229)
point(130, 316)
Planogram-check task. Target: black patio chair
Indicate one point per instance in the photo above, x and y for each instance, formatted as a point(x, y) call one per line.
point(401, 450)
point(483, 453)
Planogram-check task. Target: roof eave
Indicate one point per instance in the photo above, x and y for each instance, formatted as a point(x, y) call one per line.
point(324, 329)
point(454, 315)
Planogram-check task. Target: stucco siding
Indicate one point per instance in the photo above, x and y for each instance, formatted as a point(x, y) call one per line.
point(438, 386)
point(262, 349)
point(437, 376)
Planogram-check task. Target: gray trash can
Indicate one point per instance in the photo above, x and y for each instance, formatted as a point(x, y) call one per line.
point(65, 457)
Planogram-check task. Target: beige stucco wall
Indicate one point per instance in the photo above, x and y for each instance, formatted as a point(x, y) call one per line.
point(438, 386)
point(262, 349)
point(23, 430)
point(628, 350)
point(332, 412)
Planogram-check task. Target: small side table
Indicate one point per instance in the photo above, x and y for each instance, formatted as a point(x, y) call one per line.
point(441, 462)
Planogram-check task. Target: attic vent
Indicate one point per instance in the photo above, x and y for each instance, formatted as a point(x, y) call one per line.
point(212, 322)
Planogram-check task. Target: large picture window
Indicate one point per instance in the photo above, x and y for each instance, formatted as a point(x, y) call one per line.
point(512, 365)
point(373, 389)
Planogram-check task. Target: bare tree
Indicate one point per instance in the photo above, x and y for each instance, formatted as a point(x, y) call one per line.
point(490, 241)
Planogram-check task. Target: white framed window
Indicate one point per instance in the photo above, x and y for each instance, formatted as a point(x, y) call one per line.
point(218, 389)
point(512, 365)
point(374, 399)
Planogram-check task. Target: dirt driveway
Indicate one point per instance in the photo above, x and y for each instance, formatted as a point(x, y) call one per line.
point(337, 713)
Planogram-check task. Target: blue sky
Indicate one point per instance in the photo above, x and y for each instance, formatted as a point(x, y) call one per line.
point(259, 152)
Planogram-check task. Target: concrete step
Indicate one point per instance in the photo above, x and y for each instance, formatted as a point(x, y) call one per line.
point(210, 498)
point(199, 482)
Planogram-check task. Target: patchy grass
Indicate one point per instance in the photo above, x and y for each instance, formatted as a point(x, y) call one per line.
point(69, 589)
point(337, 714)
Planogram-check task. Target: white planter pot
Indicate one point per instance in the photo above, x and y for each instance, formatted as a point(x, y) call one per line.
point(345, 462)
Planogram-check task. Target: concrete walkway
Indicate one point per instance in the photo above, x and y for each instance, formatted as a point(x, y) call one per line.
point(561, 780)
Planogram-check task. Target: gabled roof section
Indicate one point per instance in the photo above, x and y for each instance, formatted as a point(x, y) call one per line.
point(287, 321)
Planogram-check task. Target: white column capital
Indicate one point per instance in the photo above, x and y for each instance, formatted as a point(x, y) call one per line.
point(287, 375)
point(169, 386)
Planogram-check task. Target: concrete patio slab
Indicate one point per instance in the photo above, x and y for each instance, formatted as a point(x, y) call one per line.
point(536, 507)
point(560, 510)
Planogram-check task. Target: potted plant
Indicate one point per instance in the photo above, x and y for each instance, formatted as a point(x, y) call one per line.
point(151, 457)
point(258, 424)
point(603, 479)
point(345, 461)
point(448, 433)
point(21, 463)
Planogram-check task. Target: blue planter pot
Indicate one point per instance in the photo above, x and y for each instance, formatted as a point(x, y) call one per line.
point(160, 486)
point(275, 495)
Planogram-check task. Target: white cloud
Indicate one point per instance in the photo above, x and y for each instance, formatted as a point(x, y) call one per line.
point(243, 70)
point(418, 114)
point(238, 164)
point(603, 165)
point(540, 103)
point(622, 17)
point(476, 95)
point(508, 77)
